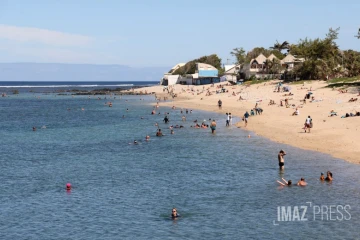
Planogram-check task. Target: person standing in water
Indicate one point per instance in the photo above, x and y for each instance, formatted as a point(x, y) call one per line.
point(227, 119)
point(213, 126)
point(281, 159)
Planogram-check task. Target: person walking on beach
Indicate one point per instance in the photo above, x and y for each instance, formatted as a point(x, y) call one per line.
point(219, 103)
point(281, 159)
point(246, 117)
point(213, 126)
point(227, 119)
point(308, 123)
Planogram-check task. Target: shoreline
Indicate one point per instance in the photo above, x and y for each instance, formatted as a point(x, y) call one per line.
point(336, 136)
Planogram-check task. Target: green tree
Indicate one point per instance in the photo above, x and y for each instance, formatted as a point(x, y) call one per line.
point(275, 66)
point(190, 67)
point(352, 63)
point(281, 46)
point(256, 52)
point(322, 56)
point(239, 54)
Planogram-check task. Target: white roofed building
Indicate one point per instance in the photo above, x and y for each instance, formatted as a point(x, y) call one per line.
point(169, 78)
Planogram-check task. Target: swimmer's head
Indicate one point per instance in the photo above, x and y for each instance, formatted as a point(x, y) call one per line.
point(174, 212)
point(68, 186)
point(289, 182)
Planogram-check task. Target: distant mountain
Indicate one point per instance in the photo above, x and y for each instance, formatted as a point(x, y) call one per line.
point(78, 72)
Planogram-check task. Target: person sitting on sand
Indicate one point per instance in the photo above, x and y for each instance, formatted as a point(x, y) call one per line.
point(322, 177)
point(332, 113)
point(329, 176)
point(297, 112)
point(353, 99)
point(302, 182)
point(285, 183)
point(272, 102)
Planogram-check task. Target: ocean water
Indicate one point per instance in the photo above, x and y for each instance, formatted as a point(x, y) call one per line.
point(223, 185)
point(9, 87)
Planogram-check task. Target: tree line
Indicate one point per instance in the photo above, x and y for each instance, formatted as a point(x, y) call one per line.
point(322, 58)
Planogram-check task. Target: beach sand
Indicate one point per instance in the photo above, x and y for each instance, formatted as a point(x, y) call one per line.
point(339, 137)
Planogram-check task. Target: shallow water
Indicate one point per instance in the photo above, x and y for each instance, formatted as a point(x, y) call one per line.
point(223, 185)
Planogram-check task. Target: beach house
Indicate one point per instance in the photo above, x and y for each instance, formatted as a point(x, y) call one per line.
point(231, 72)
point(257, 66)
point(204, 74)
point(290, 61)
point(169, 78)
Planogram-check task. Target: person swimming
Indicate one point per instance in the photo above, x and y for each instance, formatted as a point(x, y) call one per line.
point(302, 182)
point(174, 213)
point(329, 176)
point(159, 133)
point(322, 177)
point(284, 183)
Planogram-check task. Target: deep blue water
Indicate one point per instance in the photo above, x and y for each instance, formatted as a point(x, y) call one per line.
point(8, 87)
point(223, 185)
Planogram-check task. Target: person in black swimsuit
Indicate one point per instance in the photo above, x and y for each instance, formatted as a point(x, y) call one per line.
point(281, 159)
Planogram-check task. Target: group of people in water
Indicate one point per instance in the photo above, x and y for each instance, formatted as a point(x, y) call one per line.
point(302, 181)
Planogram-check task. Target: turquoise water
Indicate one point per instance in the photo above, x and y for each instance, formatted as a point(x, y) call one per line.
point(223, 185)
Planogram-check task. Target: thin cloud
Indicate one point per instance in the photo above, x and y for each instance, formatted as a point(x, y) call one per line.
point(43, 36)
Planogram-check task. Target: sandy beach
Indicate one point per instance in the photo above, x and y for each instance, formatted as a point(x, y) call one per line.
point(334, 135)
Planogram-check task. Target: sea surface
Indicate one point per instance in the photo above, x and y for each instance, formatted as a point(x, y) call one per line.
point(223, 185)
point(9, 87)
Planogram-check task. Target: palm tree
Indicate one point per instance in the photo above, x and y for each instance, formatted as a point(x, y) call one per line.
point(267, 65)
point(358, 35)
point(280, 47)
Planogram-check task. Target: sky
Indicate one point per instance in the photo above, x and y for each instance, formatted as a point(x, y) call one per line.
point(156, 33)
